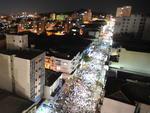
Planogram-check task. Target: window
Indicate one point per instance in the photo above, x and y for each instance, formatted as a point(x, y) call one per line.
point(40, 60)
point(65, 63)
point(20, 41)
point(58, 62)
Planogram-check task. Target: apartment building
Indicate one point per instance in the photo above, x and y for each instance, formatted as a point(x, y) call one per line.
point(52, 84)
point(23, 72)
point(123, 11)
point(136, 25)
point(67, 65)
point(63, 53)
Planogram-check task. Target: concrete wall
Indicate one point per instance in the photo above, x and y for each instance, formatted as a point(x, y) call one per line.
point(146, 33)
point(16, 41)
point(144, 108)
point(5, 72)
point(48, 90)
point(22, 77)
point(38, 72)
point(62, 65)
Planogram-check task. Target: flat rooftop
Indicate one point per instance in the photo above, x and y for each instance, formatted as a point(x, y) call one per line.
point(12, 104)
point(19, 34)
point(133, 61)
point(113, 106)
point(25, 54)
point(65, 47)
point(51, 77)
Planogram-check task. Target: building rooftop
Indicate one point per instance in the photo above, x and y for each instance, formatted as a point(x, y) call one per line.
point(12, 104)
point(65, 47)
point(19, 34)
point(51, 77)
point(133, 61)
point(91, 26)
point(25, 54)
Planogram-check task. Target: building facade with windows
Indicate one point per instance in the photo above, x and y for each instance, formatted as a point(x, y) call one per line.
point(61, 64)
point(123, 11)
point(16, 41)
point(63, 53)
point(53, 83)
point(137, 25)
point(24, 73)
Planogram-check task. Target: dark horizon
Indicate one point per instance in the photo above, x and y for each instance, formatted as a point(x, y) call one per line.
point(42, 6)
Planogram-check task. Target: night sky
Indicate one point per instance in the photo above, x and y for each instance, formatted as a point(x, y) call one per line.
point(108, 6)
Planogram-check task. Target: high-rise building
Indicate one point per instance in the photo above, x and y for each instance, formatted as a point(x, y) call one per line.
point(40, 27)
point(23, 72)
point(123, 11)
point(53, 16)
point(16, 41)
point(87, 16)
point(137, 25)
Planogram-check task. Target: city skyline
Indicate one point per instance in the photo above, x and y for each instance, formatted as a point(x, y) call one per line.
point(17, 6)
point(71, 56)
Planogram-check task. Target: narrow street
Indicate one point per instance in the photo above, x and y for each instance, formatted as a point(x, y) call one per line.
point(83, 92)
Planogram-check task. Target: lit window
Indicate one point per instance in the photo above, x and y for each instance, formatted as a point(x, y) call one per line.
point(58, 68)
point(65, 63)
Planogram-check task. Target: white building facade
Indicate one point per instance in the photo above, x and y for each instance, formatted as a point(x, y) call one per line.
point(123, 11)
point(25, 75)
point(137, 25)
point(6, 72)
point(49, 89)
point(16, 41)
point(62, 65)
